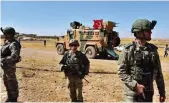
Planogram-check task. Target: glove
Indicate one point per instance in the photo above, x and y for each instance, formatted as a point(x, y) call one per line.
point(86, 73)
point(82, 76)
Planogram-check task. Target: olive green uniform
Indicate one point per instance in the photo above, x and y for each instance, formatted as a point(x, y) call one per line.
point(9, 54)
point(131, 69)
point(75, 82)
point(9, 57)
point(141, 64)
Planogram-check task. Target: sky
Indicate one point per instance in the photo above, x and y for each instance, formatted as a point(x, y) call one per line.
point(53, 17)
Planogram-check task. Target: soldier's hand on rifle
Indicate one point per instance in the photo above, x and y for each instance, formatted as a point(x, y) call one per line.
point(162, 99)
point(82, 76)
point(139, 88)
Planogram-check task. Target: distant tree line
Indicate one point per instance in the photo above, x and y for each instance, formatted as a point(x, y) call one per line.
point(46, 37)
point(32, 35)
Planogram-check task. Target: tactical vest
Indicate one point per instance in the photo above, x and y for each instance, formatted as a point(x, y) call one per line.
point(142, 63)
point(74, 59)
point(5, 51)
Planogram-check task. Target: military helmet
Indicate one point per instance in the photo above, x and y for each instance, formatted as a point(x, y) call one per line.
point(73, 42)
point(8, 30)
point(143, 24)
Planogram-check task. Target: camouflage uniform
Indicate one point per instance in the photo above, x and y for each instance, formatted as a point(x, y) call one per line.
point(75, 82)
point(140, 64)
point(9, 56)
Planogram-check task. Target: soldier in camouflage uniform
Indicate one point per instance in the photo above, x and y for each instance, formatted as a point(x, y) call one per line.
point(75, 72)
point(9, 56)
point(139, 65)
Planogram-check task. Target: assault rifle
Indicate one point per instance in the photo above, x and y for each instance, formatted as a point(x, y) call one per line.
point(74, 69)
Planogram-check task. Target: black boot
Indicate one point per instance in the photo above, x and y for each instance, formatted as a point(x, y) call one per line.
point(74, 100)
point(11, 100)
point(7, 100)
point(81, 101)
point(14, 100)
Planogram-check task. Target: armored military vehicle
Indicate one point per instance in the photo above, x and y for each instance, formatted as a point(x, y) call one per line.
point(99, 40)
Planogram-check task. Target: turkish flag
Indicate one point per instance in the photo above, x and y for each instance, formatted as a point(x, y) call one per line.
point(98, 24)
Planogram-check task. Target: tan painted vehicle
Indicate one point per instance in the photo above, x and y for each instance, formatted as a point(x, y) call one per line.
point(99, 40)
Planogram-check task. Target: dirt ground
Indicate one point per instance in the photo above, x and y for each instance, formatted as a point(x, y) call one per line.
point(40, 79)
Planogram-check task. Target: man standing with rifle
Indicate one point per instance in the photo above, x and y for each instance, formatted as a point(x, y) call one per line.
point(139, 65)
point(9, 57)
point(75, 66)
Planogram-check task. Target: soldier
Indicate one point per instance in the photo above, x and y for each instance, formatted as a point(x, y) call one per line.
point(166, 51)
point(9, 57)
point(139, 65)
point(75, 66)
point(44, 42)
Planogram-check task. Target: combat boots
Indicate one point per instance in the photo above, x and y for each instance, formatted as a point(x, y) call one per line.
point(74, 101)
point(81, 101)
point(10, 99)
point(77, 101)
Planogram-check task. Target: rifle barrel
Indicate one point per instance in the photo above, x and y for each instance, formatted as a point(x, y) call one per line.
point(86, 80)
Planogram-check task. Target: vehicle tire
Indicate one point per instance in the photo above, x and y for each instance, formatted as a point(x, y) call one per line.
point(90, 52)
point(60, 49)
